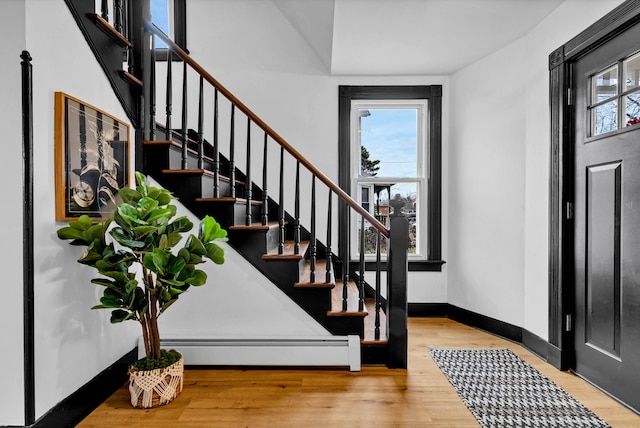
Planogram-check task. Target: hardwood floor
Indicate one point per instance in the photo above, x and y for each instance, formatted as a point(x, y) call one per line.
point(375, 397)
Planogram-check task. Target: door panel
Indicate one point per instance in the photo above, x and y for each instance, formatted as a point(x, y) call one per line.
point(607, 238)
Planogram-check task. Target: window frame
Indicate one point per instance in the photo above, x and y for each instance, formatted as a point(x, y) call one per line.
point(433, 176)
point(421, 107)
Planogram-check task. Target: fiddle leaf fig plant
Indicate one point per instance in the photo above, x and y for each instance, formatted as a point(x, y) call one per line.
point(134, 251)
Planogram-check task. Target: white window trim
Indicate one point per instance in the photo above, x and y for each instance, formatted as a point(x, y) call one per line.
point(420, 179)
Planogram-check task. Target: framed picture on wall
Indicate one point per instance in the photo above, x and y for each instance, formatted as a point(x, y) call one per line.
point(91, 159)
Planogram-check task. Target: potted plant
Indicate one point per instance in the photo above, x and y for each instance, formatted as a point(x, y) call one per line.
point(134, 251)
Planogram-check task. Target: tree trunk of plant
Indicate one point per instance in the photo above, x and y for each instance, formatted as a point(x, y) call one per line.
point(153, 326)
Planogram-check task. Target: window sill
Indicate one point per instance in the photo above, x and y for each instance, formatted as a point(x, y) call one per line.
point(414, 265)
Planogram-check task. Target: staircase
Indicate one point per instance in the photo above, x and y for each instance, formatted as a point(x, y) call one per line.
point(288, 239)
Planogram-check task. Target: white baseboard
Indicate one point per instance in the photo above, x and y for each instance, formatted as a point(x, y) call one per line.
point(306, 351)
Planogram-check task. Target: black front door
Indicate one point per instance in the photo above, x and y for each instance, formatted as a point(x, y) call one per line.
point(607, 217)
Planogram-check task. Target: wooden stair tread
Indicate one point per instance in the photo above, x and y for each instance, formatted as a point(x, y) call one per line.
point(110, 30)
point(256, 226)
point(370, 325)
point(289, 252)
point(337, 309)
point(321, 276)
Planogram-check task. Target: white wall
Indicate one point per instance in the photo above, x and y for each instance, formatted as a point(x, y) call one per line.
point(270, 68)
point(12, 33)
point(72, 343)
point(499, 173)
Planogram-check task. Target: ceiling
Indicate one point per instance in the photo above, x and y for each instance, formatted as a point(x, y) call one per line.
point(410, 37)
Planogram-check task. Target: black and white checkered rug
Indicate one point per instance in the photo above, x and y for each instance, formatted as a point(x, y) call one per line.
point(503, 390)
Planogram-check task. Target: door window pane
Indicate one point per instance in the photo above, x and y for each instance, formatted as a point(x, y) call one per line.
point(632, 72)
point(605, 85)
point(632, 106)
point(605, 118)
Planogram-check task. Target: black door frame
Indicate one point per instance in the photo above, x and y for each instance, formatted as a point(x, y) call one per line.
point(561, 286)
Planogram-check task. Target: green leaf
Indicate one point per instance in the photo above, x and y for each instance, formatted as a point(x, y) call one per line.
point(180, 225)
point(159, 213)
point(198, 278)
point(215, 253)
point(129, 195)
point(210, 230)
point(70, 232)
point(120, 315)
point(124, 239)
point(142, 186)
point(176, 265)
point(195, 246)
point(110, 301)
point(145, 206)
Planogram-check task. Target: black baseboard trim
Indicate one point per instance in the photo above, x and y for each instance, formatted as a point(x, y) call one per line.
point(513, 333)
point(70, 411)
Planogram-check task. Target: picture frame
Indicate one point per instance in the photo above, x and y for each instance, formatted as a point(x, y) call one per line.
point(91, 152)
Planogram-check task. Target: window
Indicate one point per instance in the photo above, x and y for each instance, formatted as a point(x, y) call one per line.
point(170, 17)
point(615, 97)
point(390, 143)
point(387, 148)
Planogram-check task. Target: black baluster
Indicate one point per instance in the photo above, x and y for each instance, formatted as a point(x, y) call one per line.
point(184, 136)
point(169, 97)
point(281, 205)
point(328, 250)
point(296, 221)
point(265, 197)
point(201, 125)
point(117, 11)
point(378, 303)
point(152, 83)
point(105, 10)
point(232, 166)
point(361, 275)
point(312, 243)
point(247, 186)
point(216, 152)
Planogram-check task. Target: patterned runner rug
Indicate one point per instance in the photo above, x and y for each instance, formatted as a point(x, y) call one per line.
point(503, 390)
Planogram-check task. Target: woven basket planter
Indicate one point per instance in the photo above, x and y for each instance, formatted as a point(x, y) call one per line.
point(153, 388)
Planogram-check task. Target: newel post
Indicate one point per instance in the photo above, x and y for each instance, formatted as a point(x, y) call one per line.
point(397, 268)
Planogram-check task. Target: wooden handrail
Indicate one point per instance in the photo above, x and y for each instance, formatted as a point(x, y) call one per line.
point(266, 128)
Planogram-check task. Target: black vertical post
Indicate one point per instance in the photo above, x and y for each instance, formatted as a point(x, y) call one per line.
point(232, 149)
point(312, 240)
point(184, 137)
point(105, 10)
point(139, 65)
point(117, 11)
point(169, 96)
point(216, 149)
point(201, 125)
point(296, 221)
point(328, 246)
point(377, 296)
point(362, 267)
point(247, 187)
point(397, 286)
point(27, 239)
point(281, 205)
point(265, 195)
point(152, 92)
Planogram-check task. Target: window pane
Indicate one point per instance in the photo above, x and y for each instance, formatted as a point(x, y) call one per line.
point(388, 141)
point(382, 210)
point(160, 17)
point(632, 72)
point(605, 118)
point(605, 85)
point(632, 105)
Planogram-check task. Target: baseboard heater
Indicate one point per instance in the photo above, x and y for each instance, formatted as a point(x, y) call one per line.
point(303, 351)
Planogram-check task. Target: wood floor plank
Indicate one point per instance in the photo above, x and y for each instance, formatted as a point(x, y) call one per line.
point(420, 396)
